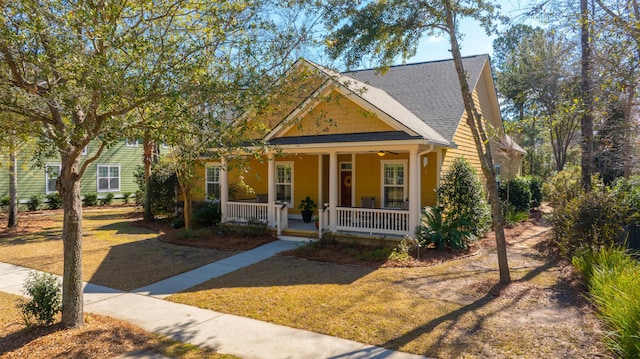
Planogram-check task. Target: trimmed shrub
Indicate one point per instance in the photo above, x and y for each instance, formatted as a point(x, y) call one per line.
point(462, 199)
point(253, 228)
point(107, 200)
point(34, 202)
point(4, 201)
point(54, 201)
point(562, 187)
point(613, 279)
point(46, 297)
point(162, 185)
point(516, 192)
point(126, 196)
point(207, 214)
point(90, 200)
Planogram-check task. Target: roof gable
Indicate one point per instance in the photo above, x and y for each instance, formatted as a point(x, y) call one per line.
point(429, 90)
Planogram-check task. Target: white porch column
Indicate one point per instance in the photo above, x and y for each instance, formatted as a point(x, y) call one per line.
point(224, 189)
point(333, 191)
point(320, 193)
point(271, 189)
point(414, 192)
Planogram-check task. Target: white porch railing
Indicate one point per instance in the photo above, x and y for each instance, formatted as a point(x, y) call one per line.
point(371, 220)
point(323, 221)
point(244, 211)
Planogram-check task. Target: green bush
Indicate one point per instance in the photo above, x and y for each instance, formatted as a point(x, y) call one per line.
point(162, 185)
point(34, 203)
point(442, 231)
point(562, 187)
point(54, 201)
point(462, 199)
point(253, 228)
point(45, 292)
point(613, 279)
point(535, 186)
point(90, 200)
point(589, 220)
point(516, 193)
point(513, 217)
point(126, 196)
point(402, 252)
point(107, 200)
point(4, 201)
point(207, 214)
point(628, 193)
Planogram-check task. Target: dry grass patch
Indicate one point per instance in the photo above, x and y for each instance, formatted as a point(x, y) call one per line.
point(101, 337)
point(454, 309)
point(116, 254)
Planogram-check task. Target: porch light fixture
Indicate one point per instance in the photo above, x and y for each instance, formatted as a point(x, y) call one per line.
point(380, 153)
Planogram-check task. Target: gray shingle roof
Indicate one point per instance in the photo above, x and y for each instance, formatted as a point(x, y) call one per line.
point(430, 90)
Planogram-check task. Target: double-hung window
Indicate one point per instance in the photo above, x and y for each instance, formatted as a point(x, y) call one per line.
point(284, 182)
point(213, 181)
point(108, 178)
point(393, 184)
point(52, 172)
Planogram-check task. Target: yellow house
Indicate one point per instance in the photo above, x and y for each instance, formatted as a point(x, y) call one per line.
point(368, 149)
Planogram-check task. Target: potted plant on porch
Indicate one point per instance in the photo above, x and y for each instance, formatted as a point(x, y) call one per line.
point(306, 208)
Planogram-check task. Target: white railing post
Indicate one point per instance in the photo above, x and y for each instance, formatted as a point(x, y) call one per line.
point(271, 183)
point(278, 214)
point(414, 193)
point(333, 191)
point(224, 189)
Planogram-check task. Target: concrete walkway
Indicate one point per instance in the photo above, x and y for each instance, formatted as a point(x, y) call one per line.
point(225, 333)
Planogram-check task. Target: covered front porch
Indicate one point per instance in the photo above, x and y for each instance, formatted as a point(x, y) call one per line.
point(374, 192)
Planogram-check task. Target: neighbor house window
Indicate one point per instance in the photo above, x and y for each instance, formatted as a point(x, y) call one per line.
point(108, 178)
point(284, 182)
point(131, 142)
point(85, 150)
point(393, 184)
point(213, 181)
point(52, 172)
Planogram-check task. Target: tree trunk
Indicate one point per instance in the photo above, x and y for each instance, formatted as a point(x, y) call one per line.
point(147, 159)
point(483, 147)
point(68, 185)
point(586, 121)
point(13, 189)
point(187, 208)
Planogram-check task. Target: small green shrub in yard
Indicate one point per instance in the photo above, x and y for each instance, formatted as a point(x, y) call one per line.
point(4, 201)
point(562, 187)
point(35, 202)
point(90, 200)
point(613, 279)
point(126, 197)
point(444, 232)
point(107, 200)
point(46, 296)
point(462, 199)
point(513, 216)
point(402, 252)
point(208, 214)
point(54, 201)
point(253, 228)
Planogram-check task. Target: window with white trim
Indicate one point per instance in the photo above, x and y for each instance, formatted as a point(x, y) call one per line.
point(108, 178)
point(52, 172)
point(393, 184)
point(497, 169)
point(213, 181)
point(284, 182)
point(131, 142)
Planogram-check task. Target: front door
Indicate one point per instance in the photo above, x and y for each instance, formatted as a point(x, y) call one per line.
point(345, 188)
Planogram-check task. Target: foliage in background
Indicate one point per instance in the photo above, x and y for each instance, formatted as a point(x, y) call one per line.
point(54, 201)
point(46, 295)
point(562, 187)
point(90, 200)
point(163, 182)
point(535, 186)
point(516, 194)
point(462, 200)
point(628, 193)
point(613, 279)
point(585, 219)
point(34, 203)
point(445, 232)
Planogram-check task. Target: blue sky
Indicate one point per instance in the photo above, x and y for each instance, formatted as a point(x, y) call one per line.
point(475, 39)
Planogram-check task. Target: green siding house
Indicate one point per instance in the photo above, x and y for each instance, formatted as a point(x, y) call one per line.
point(112, 172)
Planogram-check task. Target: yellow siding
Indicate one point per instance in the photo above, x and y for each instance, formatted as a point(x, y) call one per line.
point(338, 114)
point(367, 181)
point(429, 180)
